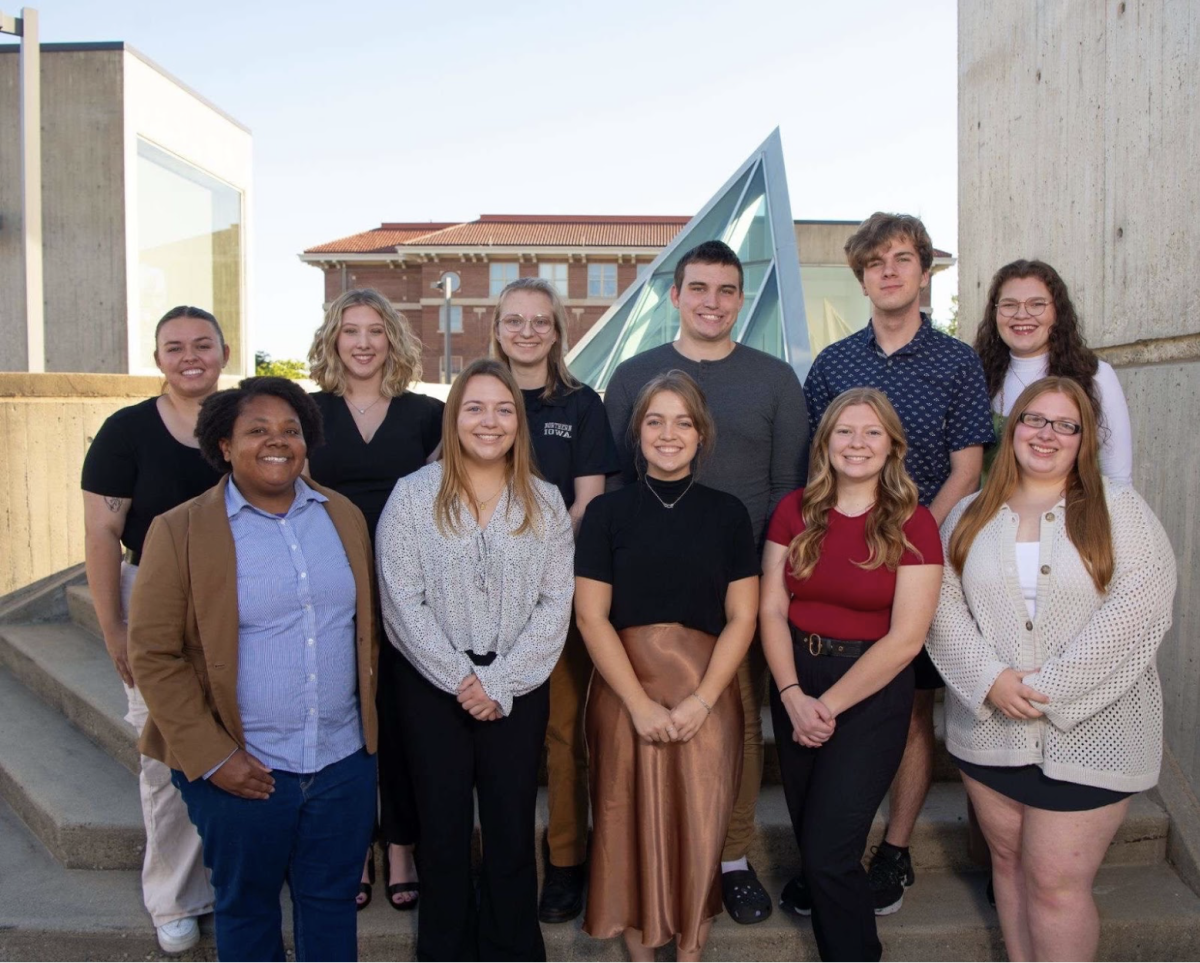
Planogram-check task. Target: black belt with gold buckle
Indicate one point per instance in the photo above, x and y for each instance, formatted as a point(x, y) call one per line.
point(823, 645)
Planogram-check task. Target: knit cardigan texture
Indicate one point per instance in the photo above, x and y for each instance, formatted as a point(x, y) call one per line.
point(1094, 652)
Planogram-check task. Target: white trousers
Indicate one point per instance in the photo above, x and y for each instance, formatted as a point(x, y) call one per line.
point(174, 881)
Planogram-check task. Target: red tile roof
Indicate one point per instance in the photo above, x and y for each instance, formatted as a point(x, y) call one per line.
point(514, 230)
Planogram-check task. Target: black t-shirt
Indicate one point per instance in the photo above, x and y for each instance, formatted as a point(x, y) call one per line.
point(571, 437)
point(366, 472)
point(134, 456)
point(667, 564)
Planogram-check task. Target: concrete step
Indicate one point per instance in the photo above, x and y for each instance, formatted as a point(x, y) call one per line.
point(939, 841)
point(76, 798)
point(68, 670)
point(51, 913)
point(81, 609)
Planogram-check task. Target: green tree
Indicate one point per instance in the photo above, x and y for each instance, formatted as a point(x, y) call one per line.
point(950, 327)
point(286, 368)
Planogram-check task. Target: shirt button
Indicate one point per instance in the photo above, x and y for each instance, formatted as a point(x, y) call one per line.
point(1028, 626)
point(312, 711)
point(1045, 569)
point(312, 641)
point(294, 547)
point(312, 677)
point(283, 521)
point(304, 574)
point(1049, 516)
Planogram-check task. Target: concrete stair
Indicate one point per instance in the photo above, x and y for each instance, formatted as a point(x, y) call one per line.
point(71, 836)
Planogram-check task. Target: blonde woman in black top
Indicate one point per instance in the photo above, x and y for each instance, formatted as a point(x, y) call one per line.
point(365, 359)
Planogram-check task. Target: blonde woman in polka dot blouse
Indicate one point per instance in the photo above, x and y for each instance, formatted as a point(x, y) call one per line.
point(1057, 591)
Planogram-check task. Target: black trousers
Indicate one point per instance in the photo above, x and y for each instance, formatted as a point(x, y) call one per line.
point(397, 805)
point(452, 757)
point(832, 794)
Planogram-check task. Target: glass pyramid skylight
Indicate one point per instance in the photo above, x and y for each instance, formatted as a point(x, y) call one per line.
point(752, 215)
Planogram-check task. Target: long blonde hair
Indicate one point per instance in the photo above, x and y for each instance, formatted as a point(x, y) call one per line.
point(1088, 524)
point(895, 492)
point(559, 379)
point(403, 364)
point(520, 469)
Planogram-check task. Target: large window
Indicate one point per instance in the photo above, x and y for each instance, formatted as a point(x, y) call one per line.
point(556, 273)
point(455, 319)
point(602, 280)
point(189, 247)
point(501, 274)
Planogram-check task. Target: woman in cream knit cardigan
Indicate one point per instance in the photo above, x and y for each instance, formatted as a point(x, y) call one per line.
point(1057, 591)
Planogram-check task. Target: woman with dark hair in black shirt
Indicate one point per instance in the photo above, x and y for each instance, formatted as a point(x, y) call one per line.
point(573, 449)
point(364, 357)
point(144, 461)
point(666, 594)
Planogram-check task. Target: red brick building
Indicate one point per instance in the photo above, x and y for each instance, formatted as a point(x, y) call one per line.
point(589, 259)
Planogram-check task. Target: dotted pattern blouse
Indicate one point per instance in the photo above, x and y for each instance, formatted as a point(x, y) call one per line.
point(480, 591)
point(1103, 724)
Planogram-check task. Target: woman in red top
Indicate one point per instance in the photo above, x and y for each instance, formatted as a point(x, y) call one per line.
point(851, 572)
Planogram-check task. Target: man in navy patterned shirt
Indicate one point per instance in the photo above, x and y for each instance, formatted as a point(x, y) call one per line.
point(937, 387)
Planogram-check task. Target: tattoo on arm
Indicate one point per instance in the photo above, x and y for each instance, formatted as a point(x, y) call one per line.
point(114, 504)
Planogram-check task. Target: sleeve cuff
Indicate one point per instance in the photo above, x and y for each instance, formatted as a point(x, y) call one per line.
point(983, 709)
point(494, 690)
point(209, 774)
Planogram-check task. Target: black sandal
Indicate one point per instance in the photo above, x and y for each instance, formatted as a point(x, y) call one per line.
point(395, 889)
point(745, 899)
point(364, 889)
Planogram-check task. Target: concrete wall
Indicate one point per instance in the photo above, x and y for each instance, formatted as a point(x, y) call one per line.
point(1079, 143)
point(83, 219)
point(46, 423)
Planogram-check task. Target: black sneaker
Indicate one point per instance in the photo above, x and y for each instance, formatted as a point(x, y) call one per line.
point(889, 872)
point(796, 897)
point(562, 893)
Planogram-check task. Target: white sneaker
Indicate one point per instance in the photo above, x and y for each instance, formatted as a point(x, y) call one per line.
point(179, 935)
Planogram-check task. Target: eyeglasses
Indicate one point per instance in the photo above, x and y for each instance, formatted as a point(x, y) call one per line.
point(1060, 426)
point(1034, 307)
point(516, 323)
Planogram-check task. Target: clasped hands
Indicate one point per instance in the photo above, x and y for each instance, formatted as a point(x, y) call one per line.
point(812, 721)
point(472, 698)
point(654, 722)
point(1013, 698)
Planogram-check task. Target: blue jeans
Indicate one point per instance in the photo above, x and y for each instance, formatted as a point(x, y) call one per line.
point(311, 833)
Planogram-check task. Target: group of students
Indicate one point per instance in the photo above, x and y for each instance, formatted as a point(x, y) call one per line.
point(309, 582)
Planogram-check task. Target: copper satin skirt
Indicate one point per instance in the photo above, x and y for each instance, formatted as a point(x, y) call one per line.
point(660, 811)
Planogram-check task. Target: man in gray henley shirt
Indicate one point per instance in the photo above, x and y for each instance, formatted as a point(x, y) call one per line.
point(761, 455)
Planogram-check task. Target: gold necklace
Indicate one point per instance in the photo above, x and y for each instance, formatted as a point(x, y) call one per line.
point(483, 504)
point(362, 411)
point(861, 511)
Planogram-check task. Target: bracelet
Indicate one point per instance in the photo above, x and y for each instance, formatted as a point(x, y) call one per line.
point(707, 707)
point(794, 685)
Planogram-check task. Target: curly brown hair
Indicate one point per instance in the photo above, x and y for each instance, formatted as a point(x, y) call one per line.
point(1070, 357)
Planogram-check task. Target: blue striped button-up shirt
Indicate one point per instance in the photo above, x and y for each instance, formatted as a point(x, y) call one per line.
point(297, 680)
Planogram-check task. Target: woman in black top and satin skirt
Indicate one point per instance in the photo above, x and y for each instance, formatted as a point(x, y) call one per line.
point(365, 357)
point(666, 597)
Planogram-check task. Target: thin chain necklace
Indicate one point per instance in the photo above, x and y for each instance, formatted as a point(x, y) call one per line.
point(362, 411)
point(483, 504)
point(861, 511)
point(677, 500)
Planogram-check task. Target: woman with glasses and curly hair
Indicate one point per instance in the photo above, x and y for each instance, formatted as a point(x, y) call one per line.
point(1030, 330)
point(573, 449)
point(475, 554)
point(365, 359)
point(851, 571)
point(1057, 594)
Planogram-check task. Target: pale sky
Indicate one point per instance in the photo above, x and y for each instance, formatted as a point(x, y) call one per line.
point(364, 112)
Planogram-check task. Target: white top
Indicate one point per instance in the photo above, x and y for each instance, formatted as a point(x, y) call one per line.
point(1027, 574)
point(478, 591)
point(1116, 436)
point(1103, 724)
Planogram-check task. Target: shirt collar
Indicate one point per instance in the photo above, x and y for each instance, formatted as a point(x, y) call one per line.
point(924, 332)
point(235, 501)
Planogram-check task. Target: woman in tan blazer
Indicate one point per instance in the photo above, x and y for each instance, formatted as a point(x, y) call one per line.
point(252, 637)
